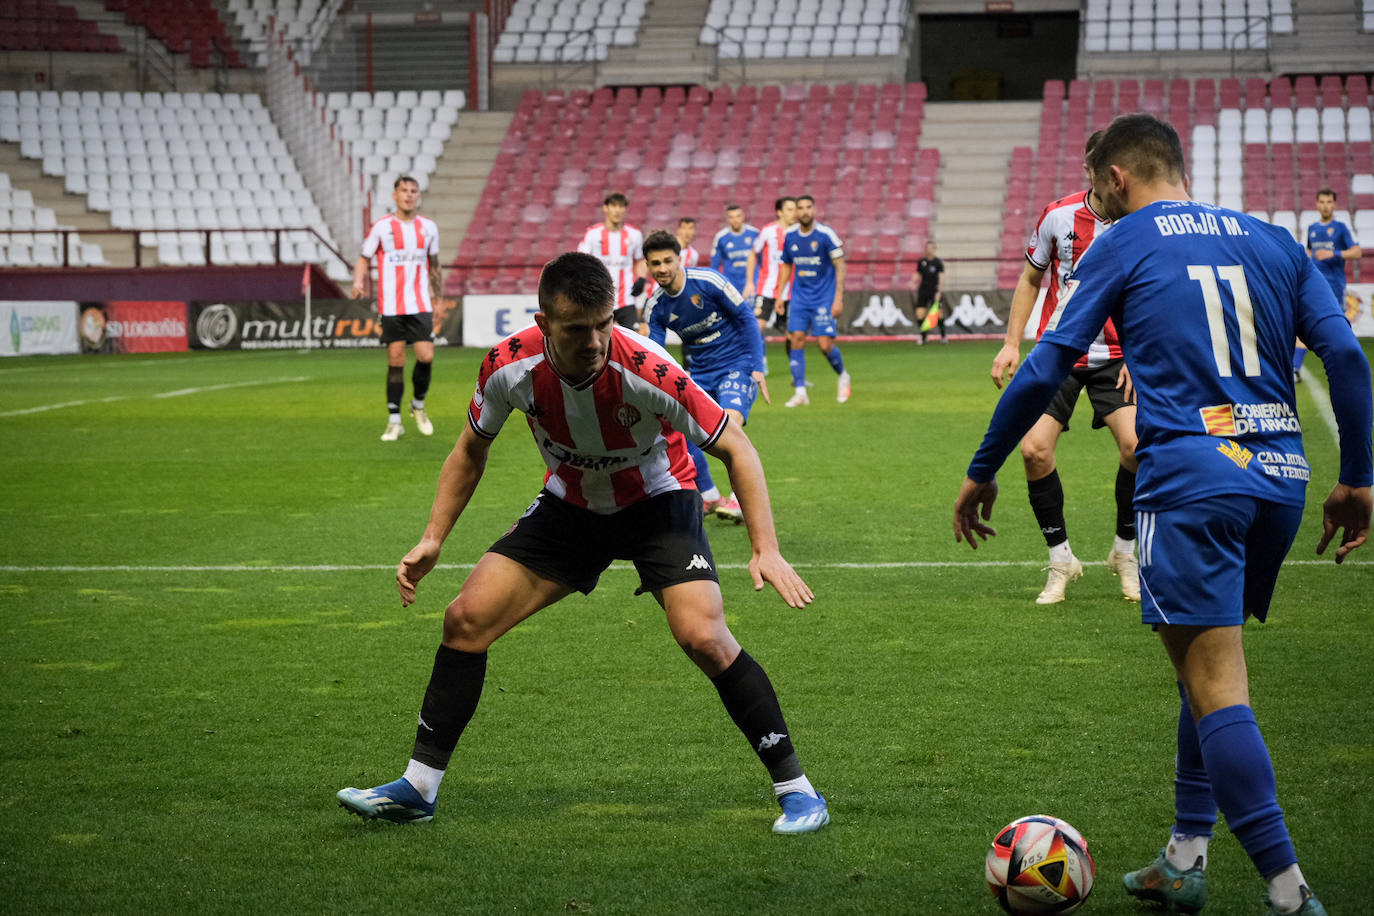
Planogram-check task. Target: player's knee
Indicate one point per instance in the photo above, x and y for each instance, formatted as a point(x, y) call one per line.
point(711, 652)
point(1038, 458)
point(462, 629)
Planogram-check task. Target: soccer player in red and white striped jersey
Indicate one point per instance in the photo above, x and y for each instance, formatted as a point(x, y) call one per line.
point(686, 232)
point(406, 247)
point(765, 263)
point(621, 248)
point(610, 412)
point(1065, 230)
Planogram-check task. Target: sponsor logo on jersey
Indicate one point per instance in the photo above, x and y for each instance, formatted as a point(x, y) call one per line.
point(1217, 420)
point(627, 415)
point(1237, 453)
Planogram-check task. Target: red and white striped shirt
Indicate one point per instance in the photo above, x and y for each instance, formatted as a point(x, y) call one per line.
point(1065, 230)
point(609, 441)
point(402, 250)
point(618, 249)
point(691, 257)
point(768, 247)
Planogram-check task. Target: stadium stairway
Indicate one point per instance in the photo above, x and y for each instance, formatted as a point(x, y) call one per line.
point(70, 209)
point(667, 46)
point(975, 140)
point(1329, 38)
point(456, 185)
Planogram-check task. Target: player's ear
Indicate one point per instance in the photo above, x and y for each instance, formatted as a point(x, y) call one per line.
point(542, 321)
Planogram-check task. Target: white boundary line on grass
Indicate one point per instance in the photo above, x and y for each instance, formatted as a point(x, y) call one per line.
point(618, 566)
point(161, 394)
point(1323, 400)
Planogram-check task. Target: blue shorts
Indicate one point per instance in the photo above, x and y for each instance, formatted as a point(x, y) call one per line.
point(734, 390)
point(1214, 562)
point(816, 320)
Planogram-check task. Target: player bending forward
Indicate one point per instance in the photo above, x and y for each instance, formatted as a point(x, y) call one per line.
point(611, 413)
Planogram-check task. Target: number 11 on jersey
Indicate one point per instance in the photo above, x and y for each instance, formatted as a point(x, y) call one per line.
point(1206, 276)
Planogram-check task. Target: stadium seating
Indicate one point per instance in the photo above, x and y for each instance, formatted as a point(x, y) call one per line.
point(804, 28)
point(191, 27)
point(395, 133)
point(1261, 147)
point(1183, 25)
point(30, 235)
point(546, 31)
point(174, 166)
point(45, 25)
point(854, 148)
point(304, 22)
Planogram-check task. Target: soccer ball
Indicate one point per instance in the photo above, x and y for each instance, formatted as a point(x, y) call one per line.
point(1039, 864)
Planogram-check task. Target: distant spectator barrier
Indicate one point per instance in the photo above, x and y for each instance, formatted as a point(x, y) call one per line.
point(34, 328)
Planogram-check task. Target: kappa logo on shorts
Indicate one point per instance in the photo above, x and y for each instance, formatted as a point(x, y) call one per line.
point(627, 415)
point(698, 562)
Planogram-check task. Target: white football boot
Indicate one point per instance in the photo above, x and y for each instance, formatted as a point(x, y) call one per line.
point(393, 432)
point(1124, 564)
point(1061, 574)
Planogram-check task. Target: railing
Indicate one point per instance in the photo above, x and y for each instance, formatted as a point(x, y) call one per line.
point(155, 61)
point(1255, 27)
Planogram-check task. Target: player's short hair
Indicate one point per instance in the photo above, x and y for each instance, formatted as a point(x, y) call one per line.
point(729, 207)
point(659, 240)
point(806, 197)
point(402, 179)
point(777, 204)
point(1327, 192)
point(683, 220)
point(1091, 143)
point(578, 278)
point(1142, 144)
point(615, 197)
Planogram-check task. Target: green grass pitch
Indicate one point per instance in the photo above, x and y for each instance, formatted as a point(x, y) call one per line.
point(179, 704)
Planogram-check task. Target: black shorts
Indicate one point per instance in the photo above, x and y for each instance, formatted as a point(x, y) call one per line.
point(763, 308)
point(410, 328)
point(1102, 393)
point(661, 535)
point(923, 298)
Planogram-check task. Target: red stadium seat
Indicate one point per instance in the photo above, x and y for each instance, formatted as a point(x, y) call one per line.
point(1305, 91)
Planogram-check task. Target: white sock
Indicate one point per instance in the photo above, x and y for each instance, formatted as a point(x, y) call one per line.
point(1121, 545)
point(1285, 889)
point(1061, 553)
point(1184, 849)
point(801, 389)
point(800, 784)
point(711, 495)
point(425, 779)
point(394, 418)
point(418, 405)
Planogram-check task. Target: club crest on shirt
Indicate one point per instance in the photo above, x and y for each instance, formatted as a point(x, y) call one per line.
point(815, 245)
point(696, 299)
point(627, 415)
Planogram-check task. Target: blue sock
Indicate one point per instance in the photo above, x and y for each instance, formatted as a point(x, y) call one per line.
point(1242, 778)
point(1195, 810)
point(836, 360)
point(1299, 354)
point(704, 482)
point(796, 359)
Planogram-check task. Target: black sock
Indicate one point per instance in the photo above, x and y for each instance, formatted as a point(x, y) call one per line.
point(450, 700)
point(1125, 504)
point(749, 699)
point(395, 387)
point(1047, 502)
point(419, 380)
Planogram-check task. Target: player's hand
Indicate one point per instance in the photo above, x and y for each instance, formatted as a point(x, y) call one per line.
point(780, 308)
point(1323, 254)
point(1004, 365)
point(772, 568)
point(1347, 508)
point(413, 568)
point(748, 291)
point(763, 387)
point(359, 289)
point(975, 500)
point(837, 308)
point(1123, 381)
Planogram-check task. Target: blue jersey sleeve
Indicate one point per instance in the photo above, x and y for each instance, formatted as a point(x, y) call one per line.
point(654, 315)
point(1030, 392)
point(741, 315)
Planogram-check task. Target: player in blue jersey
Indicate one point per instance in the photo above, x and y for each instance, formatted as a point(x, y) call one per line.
point(1331, 244)
point(813, 252)
point(713, 319)
point(1208, 302)
point(731, 246)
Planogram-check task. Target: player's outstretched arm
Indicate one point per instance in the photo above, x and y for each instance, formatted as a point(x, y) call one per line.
point(457, 480)
point(1004, 365)
point(1347, 509)
point(742, 463)
point(974, 503)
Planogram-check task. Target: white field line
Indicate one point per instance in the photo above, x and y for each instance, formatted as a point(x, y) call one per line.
point(162, 394)
point(1318, 392)
point(618, 566)
point(88, 365)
